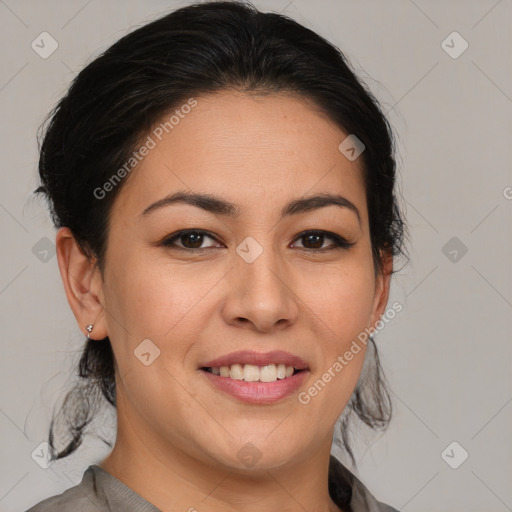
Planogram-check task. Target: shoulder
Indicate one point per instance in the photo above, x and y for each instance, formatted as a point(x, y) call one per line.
point(364, 500)
point(361, 499)
point(80, 498)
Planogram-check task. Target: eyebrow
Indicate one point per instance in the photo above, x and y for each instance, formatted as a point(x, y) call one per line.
point(218, 206)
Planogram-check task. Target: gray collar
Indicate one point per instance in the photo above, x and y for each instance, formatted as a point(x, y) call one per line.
point(344, 487)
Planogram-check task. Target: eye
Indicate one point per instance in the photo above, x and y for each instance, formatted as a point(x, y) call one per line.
point(190, 240)
point(193, 239)
point(315, 239)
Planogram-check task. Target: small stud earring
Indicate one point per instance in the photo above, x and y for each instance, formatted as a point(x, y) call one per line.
point(89, 329)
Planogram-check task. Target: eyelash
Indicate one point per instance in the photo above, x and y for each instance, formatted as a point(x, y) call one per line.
point(339, 242)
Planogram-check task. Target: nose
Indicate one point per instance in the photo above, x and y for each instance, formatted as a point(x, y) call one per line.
point(260, 294)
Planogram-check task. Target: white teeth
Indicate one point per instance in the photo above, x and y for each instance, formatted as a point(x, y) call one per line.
point(253, 373)
point(268, 373)
point(236, 371)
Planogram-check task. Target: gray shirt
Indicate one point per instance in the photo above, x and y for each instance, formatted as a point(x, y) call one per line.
point(99, 491)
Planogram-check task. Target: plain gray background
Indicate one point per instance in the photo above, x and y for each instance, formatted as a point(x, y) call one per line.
point(447, 354)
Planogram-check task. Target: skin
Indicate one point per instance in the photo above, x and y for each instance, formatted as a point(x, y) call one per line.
point(178, 436)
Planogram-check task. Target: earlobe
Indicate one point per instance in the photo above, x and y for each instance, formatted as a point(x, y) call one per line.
point(82, 283)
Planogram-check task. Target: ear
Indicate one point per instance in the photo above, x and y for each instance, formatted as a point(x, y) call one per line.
point(83, 284)
point(382, 285)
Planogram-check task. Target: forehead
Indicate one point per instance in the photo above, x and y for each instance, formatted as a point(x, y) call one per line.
point(246, 148)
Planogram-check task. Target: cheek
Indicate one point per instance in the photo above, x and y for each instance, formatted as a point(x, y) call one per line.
point(340, 324)
point(340, 299)
point(340, 303)
point(163, 303)
point(145, 295)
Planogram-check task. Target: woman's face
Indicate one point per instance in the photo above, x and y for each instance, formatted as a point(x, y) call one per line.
point(254, 283)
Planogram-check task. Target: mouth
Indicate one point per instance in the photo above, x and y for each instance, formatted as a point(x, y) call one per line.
point(256, 378)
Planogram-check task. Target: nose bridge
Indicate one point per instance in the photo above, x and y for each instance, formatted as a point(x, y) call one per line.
point(261, 264)
point(261, 291)
point(261, 267)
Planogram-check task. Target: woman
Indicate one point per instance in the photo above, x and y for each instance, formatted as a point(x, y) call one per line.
point(223, 189)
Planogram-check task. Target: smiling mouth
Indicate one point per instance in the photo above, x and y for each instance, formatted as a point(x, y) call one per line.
point(254, 373)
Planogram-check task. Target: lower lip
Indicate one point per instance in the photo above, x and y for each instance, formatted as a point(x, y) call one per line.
point(258, 392)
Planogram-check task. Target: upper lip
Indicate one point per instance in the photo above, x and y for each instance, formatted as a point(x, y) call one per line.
point(258, 359)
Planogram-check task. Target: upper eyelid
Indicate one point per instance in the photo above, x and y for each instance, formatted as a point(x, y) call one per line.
point(188, 231)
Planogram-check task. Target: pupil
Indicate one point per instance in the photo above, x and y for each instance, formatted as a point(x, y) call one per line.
point(318, 242)
point(195, 244)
